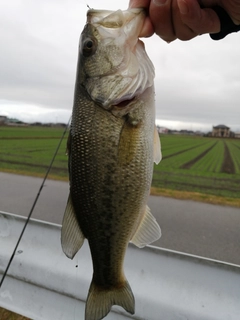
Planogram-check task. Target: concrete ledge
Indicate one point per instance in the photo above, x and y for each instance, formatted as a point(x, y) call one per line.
point(43, 284)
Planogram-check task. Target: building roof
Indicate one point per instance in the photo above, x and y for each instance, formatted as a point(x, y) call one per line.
point(221, 126)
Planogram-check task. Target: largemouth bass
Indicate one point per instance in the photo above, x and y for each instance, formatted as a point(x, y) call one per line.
point(112, 145)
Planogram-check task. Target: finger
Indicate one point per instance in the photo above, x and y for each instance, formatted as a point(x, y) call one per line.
point(197, 19)
point(161, 17)
point(139, 3)
point(232, 7)
point(147, 29)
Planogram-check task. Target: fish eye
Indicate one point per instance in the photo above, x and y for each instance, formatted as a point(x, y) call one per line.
point(89, 44)
point(88, 47)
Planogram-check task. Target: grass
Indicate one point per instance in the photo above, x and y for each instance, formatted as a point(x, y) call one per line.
point(202, 168)
point(29, 132)
point(8, 315)
point(196, 196)
point(29, 150)
point(234, 149)
point(178, 160)
point(191, 165)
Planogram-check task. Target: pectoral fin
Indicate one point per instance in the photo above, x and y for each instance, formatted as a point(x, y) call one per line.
point(68, 146)
point(147, 231)
point(72, 237)
point(157, 155)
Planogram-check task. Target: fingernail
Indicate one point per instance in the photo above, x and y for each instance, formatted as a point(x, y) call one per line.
point(182, 5)
point(159, 2)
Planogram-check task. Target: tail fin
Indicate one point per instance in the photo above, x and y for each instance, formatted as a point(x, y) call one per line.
point(100, 300)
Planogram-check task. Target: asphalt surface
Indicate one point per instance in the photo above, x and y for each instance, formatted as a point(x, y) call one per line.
point(201, 229)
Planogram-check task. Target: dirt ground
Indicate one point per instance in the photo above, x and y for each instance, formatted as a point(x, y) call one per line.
point(8, 315)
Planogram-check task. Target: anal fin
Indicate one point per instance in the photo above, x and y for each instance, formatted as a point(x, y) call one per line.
point(72, 237)
point(148, 230)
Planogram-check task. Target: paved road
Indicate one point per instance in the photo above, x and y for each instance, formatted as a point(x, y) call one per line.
point(197, 228)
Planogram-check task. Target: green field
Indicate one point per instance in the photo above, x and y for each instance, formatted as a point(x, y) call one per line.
point(190, 163)
point(30, 150)
point(199, 164)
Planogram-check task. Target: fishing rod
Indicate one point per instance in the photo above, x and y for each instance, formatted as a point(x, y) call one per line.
point(34, 203)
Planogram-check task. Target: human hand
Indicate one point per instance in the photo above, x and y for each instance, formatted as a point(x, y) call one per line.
point(184, 19)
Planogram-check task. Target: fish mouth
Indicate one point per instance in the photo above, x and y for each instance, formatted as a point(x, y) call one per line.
point(114, 19)
point(127, 98)
point(123, 107)
point(124, 103)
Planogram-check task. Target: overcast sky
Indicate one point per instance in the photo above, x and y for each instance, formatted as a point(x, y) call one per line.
point(197, 82)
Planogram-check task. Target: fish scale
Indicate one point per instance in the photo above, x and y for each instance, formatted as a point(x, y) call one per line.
point(111, 153)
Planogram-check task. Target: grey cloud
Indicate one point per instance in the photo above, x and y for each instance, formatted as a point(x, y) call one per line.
point(33, 70)
point(196, 81)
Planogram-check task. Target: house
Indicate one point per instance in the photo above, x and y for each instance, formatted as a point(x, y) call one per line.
point(15, 122)
point(221, 131)
point(3, 120)
point(162, 129)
